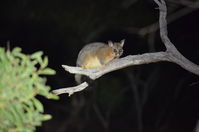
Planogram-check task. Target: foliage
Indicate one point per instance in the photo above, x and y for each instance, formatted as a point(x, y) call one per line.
point(20, 82)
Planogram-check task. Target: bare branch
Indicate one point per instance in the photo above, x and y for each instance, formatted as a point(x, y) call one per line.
point(174, 55)
point(118, 64)
point(70, 90)
point(171, 54)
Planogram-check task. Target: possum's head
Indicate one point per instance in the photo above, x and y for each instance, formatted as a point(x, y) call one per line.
point(117, 47)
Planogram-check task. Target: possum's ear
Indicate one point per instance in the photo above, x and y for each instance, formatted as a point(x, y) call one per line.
point(122, 42)
point(110, 43)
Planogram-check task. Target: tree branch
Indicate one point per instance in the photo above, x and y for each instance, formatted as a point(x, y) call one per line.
point(171, 54)
point(117, 64)
point(174, 55)
point(70, 90)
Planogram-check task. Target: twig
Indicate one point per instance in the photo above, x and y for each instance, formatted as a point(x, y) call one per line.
point(70, 90)
point(171, 54)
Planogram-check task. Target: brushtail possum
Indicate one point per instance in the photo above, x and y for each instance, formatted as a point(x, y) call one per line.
point(98, 54)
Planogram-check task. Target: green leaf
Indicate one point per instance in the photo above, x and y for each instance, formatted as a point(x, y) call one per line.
point(46, 117)
point(52, 96)
point(38, 105)
point(45, 62)
point(16, 50)
point(2, 51)
point(36, 55)
point(47, 71)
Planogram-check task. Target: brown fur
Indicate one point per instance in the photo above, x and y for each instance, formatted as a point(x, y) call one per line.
point(98, 54)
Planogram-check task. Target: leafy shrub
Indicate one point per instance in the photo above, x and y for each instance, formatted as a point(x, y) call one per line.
point(20, 82)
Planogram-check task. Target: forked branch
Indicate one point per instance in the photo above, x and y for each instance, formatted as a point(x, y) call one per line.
point(171, 54)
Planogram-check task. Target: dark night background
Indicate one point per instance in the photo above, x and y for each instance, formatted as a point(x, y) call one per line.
point(159, 97)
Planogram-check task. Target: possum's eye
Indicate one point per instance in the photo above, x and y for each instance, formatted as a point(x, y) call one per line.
point(114, 50)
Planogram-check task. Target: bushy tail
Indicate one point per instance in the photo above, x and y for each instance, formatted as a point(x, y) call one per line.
point(78, 78)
